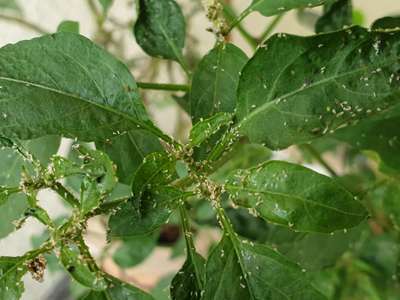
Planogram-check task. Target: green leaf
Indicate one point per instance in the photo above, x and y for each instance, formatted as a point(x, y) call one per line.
point(160, 29)
point(79, 269)
point(337, 14)
point(239, 270)
point(297, 197)
point(68, 26)
point(142, 216)
point(12, 208)
point(317, 85)
point(188, 283)
point(204, 129)
point(381, 136)
point(387, 23)
point(134, 250)
point(12, 269)
point(81, 90)
point(118, 290)
point(270, 8)
point(128, 150)
point(243, 156)
point(100, 181)
point(215, 81)
point(156, 169)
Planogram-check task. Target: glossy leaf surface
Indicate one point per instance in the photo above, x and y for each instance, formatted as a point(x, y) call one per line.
point(215, 81)
point(297, 197)
point(160, 28)
point(256, 272)
point(346, 76)
point(81, 90)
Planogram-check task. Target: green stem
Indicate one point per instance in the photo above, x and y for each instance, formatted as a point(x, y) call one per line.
point(319, 158)
point(163, 86)
point(96, 13)
point(230, 13)
point(65, 194)
point(24, 23)
point(189, 241)
point(238, 19)
point(270, 27)
point(186, 227)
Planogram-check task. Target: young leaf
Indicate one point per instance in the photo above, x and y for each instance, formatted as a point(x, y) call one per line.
point(337, 14)
point(297, 197)
point(78, 268)
point(188, 283)
point(204, 129)
point(346, 76)
point(239, 270)
point(156, 169)
point(140, 216)
point(160, 29)
point(118, 290)
point(215, 81)
point(78, 79)
point(270, 8)
point(11, 164)
point(12, 269)
point(243, 156)
point(68, 26)
point(387, 23)
point(128, 150)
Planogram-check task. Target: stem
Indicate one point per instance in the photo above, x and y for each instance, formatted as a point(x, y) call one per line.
point(24, 23)
point(96, 13)
point(163, 86)
point(238, 19)
point(319, 158)
point(186, 227)
point(65, 194)
point(230, 13)
point(189, 240)
point(184, 65)
point(270, 27)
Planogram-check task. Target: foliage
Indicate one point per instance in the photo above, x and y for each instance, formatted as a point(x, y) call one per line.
point(287, 231)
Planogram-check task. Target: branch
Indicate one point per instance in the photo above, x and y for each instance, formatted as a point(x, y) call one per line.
point(163, 86)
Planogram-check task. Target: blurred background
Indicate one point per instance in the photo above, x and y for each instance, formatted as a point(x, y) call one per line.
point(32, 18)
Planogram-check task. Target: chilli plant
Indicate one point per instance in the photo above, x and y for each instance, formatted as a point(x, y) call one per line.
point(286, 231)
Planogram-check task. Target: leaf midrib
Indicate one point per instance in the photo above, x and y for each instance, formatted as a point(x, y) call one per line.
point(84, 100)
point(268, 104)
point(254, 191)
